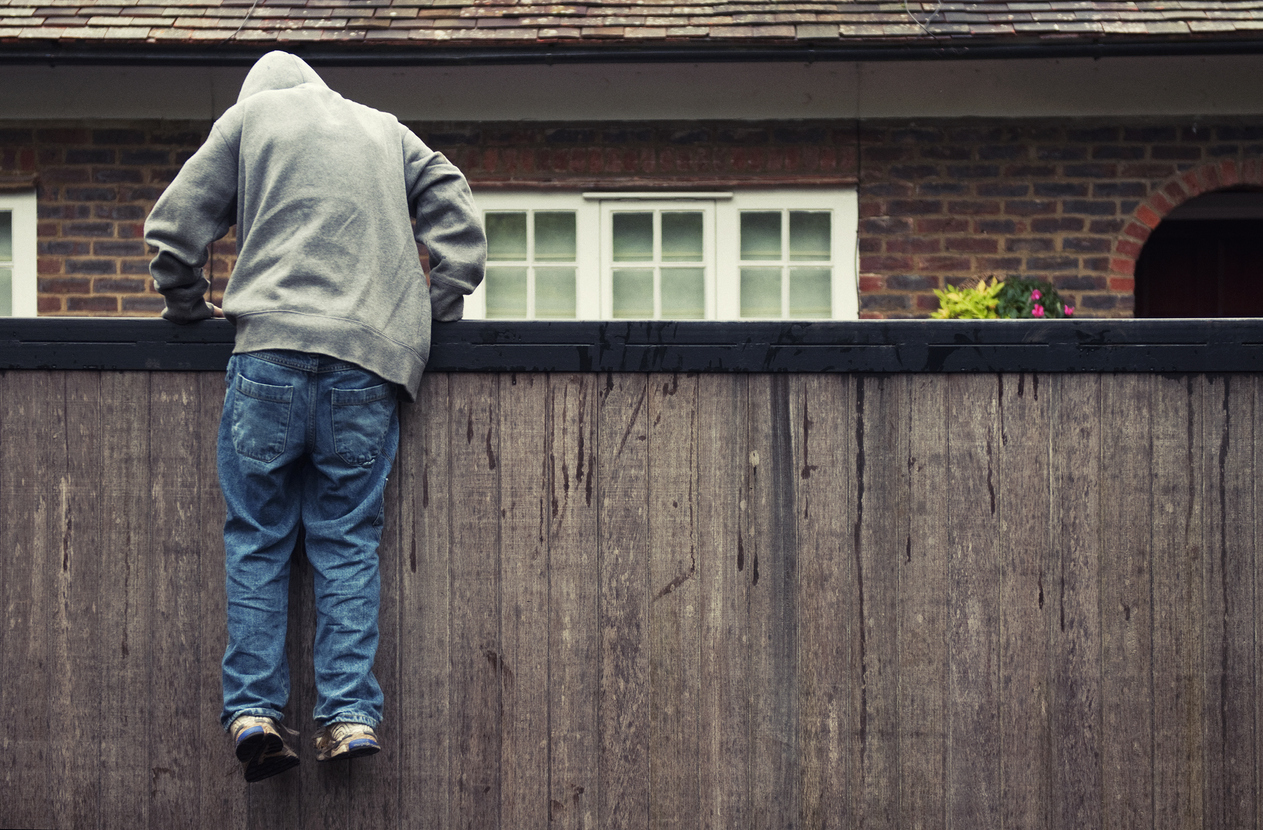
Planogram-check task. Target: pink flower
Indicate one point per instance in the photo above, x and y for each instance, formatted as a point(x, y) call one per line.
point(1035, 295)
point(1069, 311)
point(1037, 311)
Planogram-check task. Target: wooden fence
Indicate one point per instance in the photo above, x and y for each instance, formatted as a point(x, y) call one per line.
point(669, 600)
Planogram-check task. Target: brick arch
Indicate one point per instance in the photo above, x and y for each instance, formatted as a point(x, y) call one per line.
point(1169, 195)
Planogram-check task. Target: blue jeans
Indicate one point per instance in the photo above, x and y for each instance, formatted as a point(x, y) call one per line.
point(304, 440)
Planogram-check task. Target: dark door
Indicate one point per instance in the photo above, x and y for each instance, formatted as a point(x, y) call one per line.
point(1202, 268)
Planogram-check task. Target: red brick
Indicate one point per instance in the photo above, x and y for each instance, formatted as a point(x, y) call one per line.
point(973, 245)
point(948, 225)
point(96, 305)
point(1123, 266)
point(1122, 284)
point(914, 245)
point(945, 263)
point(1128, 247)
point(886, 263)
point(1137, 231)
point(1147, 217)
point(869, 284)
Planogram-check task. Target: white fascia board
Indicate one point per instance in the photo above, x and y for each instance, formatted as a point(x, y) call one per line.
point(1222, 85)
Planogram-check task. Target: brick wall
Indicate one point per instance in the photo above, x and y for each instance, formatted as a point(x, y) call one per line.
point(96, 184)
point(941, 202)
point(1068, 201)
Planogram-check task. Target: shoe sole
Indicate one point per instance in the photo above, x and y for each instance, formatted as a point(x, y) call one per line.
point(263, 753)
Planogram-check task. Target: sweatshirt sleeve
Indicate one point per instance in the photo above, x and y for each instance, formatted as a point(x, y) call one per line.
point(197, 208)
point(448, 225)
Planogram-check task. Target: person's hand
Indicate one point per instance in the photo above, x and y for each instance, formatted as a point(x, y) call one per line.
point(216, 311)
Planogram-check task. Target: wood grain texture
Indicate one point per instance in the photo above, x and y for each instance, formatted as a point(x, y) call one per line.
point(477, 656)
point(125, 609)
point(879, 534)
point(1076, 709)
point(973, 705)
point(724, 575)
point(425, 597)
point(1228, 620)
point(922, 621)
point(674, 633)
point(574, 636)
point(821, 414)
point(1179, 480)
point(1023, 526)
point(1126, 601)
point(772, 546)
point(525, 604)
point(623, 696)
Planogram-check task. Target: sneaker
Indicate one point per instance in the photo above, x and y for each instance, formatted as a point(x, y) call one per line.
point(344, 739)
point(260, 747)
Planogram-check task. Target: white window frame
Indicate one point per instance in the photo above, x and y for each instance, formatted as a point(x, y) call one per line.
point(593, 291)
point(21, 207)
point(656, 207)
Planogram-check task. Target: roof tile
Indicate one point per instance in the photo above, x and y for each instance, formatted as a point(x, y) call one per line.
point(489, 21)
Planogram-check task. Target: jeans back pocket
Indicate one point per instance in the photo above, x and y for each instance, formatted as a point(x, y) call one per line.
point(361, 418)
point(260, 419)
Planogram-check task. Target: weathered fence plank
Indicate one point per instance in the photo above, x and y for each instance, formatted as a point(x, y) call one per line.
point(626, 600)
point(879, 539)
point(33, 463)
point(1076, 629)
point(125, 608)
point(1022, 511)
point(1229, 603)
point(1126, 600)
point(574, 637)
point(822, 413)
point(922, 620)
point(623, 694)
point(1178, 479)
point(774, 616)
point(674, 635)
point(973, 767)
point(525, 612)
point(74, 710)
point(423, 735)
point(477, 647)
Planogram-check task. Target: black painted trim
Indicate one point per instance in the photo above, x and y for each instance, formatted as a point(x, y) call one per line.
point(947, 47)
point(854, 346)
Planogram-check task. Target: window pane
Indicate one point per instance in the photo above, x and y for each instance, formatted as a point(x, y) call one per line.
point(506, 237)
point(761, 292)
point(633, 237)
point(683, 293)
point(554, 293)
point(809, 292)
point(6, 236)
point(809, 235)
point(761, 236)
point(6, 292)
point(506, 291)
point(633, 293)
point(555, 237)
point(681, 237)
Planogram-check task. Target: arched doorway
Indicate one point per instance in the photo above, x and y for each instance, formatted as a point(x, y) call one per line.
point(1205, 259)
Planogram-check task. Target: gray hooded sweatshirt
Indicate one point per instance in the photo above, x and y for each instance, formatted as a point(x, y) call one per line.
point(322, 191)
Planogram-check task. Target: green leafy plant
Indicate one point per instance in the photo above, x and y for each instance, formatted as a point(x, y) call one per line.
point(968, 303)
point(1029, 298)
point(1013, 299)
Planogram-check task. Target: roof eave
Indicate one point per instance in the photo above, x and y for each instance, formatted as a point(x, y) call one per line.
point(814, 51)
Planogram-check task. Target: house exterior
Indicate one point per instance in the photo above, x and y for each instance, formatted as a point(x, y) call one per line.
point(721, 160)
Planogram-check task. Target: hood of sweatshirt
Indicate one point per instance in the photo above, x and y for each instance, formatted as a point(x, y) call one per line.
point(278, 70)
